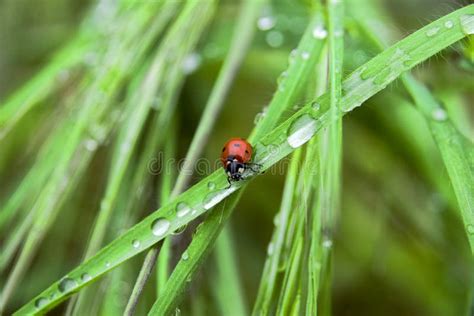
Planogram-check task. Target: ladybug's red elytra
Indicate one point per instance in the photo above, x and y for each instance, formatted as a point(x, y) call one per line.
point(235, 158)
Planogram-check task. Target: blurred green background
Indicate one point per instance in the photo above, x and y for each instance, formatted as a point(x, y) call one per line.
point(400, 247)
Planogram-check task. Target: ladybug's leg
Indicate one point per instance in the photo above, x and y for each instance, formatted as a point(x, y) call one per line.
point(230, 183)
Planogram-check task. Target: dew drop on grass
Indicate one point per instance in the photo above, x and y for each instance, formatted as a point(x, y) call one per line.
point(320, 32)
point(270, 249)
point(91, 144)
point(432, 32)
point(266, 23)
point(305, 55)
point(41, 302)
point(292, 56)
point(276, 219)
point(160, 226)
point(213, 198)
point(281, 80)
point(107, 264)
point(86, 277)
point(327, 243)
point(66, 285)
point(448, 24)
point(191, 62)
point(301, 130)
point(274, 39)
point(136, 244)
point(316, 106)
point(182, 209)
point(439, 114)
point(470, 229)
point(211, 185)
point(467, 23)
point(185, 256)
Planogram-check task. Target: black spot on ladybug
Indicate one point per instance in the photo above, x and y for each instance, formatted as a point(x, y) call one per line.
point(223, 149)
point(236, 145)
point(246, 151)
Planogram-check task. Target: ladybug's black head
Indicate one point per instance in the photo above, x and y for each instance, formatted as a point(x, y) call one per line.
point(234, 168)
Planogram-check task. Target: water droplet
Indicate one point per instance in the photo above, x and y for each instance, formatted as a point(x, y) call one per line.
point(470, 229)
point(41, 302)
point(467, 23)
point(274, 38)
point(448, 24)
point(211, 185)
point(301, 130)
point(327, 243)
point(276, 219)
point(439, 114)
point(316, 106)
point(270, 249)
point(320, 32)
point(432, 32)
point(98, 132)
point(292, 56)
point(91, 144)
point(260, 115)
point(185, 256)
point(107, 264)
point(86, 277)
point(66, 285)
point(160, 226)
point(136, 243)
point(191, 63)
point(182, 209)
point(214, 197)
point(193, 212)
point(266, 23)
point(305, 55)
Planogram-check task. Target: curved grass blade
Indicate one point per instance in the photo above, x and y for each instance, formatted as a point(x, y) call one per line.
point(366, 81)
point(456, 150)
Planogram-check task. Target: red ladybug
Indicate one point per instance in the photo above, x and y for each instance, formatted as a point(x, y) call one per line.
point(235, 158)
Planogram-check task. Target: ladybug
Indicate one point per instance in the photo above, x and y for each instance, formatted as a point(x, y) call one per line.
point(235, 158)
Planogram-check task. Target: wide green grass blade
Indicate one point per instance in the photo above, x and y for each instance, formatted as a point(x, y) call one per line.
point(291, 134)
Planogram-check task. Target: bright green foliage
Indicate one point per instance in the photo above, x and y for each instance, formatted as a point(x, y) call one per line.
point(126, 100)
